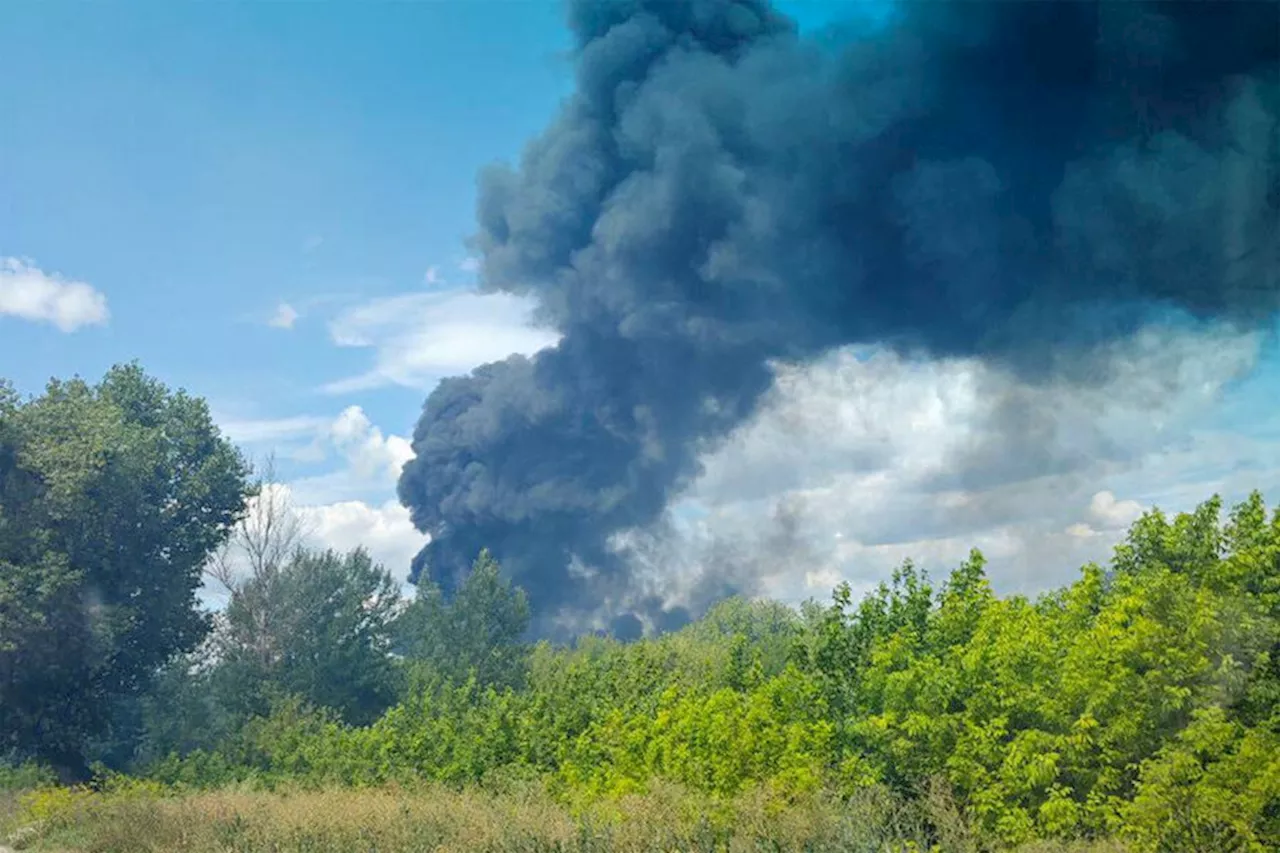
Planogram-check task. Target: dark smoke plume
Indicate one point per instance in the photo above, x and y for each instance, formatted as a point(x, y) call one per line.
point(1018, 181)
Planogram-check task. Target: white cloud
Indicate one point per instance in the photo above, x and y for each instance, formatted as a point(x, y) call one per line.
point(384, 530)
point(1111, 514)
point(349, 505)
point(862, 462)
point(284, 318)
point(355, 438)
point(823, 580)
point(1081, 530)
point(368, 453)
point(362, 461)
point(370, 463)
point(270, 430)
point(419, 338)
point(28, 293)
point(469, 264)
point(432, 276)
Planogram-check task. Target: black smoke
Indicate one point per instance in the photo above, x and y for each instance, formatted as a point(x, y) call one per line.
point(1018, 181)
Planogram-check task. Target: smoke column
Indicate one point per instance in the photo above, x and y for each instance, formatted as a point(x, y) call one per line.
point(1020, 182)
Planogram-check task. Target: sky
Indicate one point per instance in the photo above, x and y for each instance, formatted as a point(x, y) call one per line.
point(267, 204)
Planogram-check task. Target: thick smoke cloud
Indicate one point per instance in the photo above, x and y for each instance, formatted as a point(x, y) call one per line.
point(1020, 182)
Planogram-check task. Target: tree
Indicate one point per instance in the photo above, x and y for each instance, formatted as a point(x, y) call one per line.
point(267, 535)
point(480, 631)
point(317, 627)
point(112, 498)
point(182, 709)
point(179, 712)
point(249, 561)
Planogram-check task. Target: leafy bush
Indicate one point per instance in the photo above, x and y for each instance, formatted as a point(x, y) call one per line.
point(1215, 787)
point(24, 776)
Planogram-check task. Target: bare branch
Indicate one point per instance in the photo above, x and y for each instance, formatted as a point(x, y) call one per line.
point(269, 534)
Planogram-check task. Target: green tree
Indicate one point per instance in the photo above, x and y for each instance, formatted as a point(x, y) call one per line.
point(480, 631)
point(1216, 786)
point(181, 712)
point(317, 627)
point(178, 712)
point(112, 497)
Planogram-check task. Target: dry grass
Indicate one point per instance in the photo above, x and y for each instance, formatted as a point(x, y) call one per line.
point(8, 807)
point(392, 820)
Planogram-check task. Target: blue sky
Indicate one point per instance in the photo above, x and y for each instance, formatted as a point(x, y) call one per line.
point(200, 164)
point(266, 203)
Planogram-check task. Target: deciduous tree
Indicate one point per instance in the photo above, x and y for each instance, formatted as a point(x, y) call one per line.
point(112, 497)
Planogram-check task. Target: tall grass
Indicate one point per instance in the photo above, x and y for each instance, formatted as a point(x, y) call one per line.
point(519, 819)
point(15, 780)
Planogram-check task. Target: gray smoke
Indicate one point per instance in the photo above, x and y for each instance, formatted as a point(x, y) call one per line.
point(1022, 182)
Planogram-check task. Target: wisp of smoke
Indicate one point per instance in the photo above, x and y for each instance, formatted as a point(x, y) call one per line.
point(1018, 182)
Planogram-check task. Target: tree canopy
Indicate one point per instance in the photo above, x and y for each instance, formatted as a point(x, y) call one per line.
point(112, 497)
point(477, 633)
point(317, 627)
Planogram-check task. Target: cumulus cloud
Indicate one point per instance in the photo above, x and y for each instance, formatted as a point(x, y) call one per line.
point(417, 338)
point(1107, 516)
point(866, 458)
point(384, 530)
point(349, 505)
point(364, 461)
point(29, 293)
point(284, 318)
point(364, 444)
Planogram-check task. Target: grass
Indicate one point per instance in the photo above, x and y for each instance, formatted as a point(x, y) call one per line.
point(520, 819)
point(9, 808)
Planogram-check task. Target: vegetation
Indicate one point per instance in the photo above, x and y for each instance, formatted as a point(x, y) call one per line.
point(1136, 706)
point(317, 627)
point(111, 499)
point(517, 819)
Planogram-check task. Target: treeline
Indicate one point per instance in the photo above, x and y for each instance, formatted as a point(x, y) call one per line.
point(1139, 702)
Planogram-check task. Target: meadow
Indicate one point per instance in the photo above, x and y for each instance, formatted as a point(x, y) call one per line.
point(393, 819)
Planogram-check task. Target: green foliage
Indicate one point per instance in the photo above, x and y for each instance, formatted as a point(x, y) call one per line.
point(111, 498)
point(478, 633)
point(1140, 702)
point(317, 627)
point(24, 776)
point(1041, 713)
point(1216, 786)
point(722, 742)
point(183, 711)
